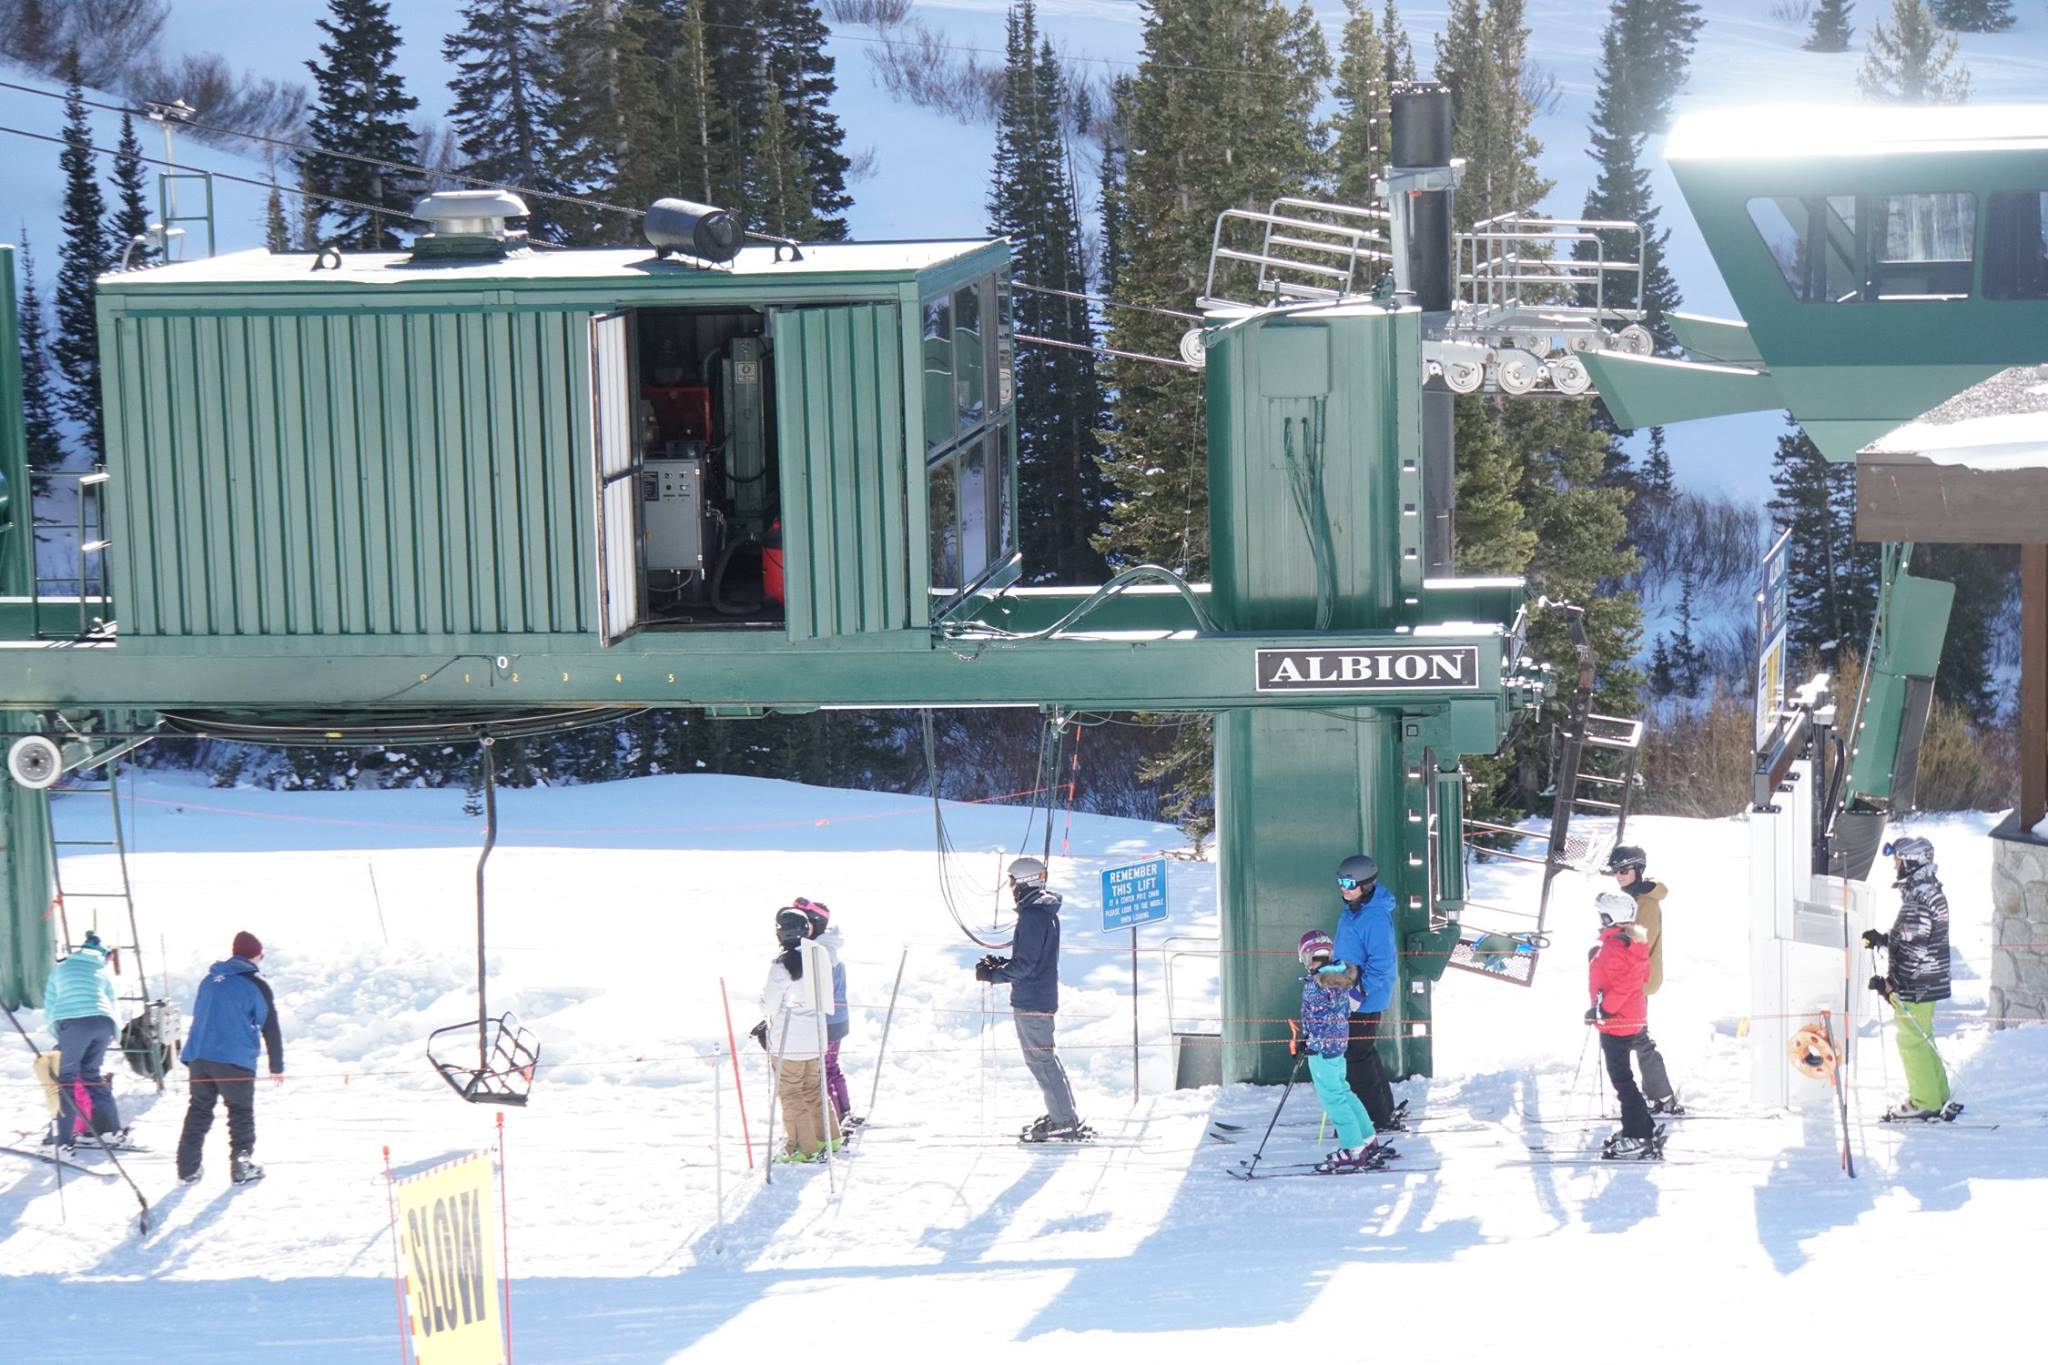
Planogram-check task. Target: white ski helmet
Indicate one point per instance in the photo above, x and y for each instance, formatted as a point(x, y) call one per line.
point(1027, 872)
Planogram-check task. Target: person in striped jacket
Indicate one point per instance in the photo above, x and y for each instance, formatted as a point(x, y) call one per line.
point(1917, 976)
point(78, 1005)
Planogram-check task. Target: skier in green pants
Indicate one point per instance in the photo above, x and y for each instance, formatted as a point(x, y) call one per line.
point(1918, 951)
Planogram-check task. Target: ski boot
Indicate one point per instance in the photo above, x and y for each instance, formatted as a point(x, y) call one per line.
point(1046, 1131)
point(1370, 1157)
point(243, 1171)
point(1621, 1147)
point(1668, 1107)
point(1036, 1130)
point(1905, 1111)
point(192, 1179)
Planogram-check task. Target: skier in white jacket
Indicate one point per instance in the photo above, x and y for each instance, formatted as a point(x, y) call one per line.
point(795, 1007)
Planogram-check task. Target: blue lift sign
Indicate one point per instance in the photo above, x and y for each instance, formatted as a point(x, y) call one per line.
point(1133, 895)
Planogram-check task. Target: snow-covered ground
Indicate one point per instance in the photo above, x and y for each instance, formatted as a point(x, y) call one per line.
point(618, 910)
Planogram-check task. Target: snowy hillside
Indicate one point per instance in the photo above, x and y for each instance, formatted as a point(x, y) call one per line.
point(618, 910)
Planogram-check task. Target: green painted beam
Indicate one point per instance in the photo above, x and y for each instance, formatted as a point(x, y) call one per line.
point(1650, 391)
point(1717, 340)
point(902, 669)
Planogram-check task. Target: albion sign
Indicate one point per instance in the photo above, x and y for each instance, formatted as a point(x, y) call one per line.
point(1403, 668)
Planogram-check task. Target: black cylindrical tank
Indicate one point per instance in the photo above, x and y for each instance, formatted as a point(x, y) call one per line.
point(709, 234)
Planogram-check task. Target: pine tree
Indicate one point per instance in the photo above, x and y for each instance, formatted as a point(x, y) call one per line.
point(1663, 678)
point(1364, 141)
point(277, 234)
point(1111, 184)
point(1832, 578)
point(81, 259)
point(131, 194)
point(779, 200)
point(503, 111)
point(1984, 576)
point(1398, 52)
point(1974, 16)
point(1688, 660)
point(34, 35)
point(1664, 60)
point(1222, 114)
point(1912, 62)
point(1479, 57)
point(1530, 475)
point(599, 66)
point(1657, 484)
point(45, 444)
point(1058, 396)
point(360, 111)
point(804, 84)
point(1830, 31)
point(1621, 191)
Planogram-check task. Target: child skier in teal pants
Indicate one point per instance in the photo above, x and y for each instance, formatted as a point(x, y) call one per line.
point(1325, 1034)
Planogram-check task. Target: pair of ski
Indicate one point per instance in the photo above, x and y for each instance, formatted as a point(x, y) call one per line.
point(1284, 1170)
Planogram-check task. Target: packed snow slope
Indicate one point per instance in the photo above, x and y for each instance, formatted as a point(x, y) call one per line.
point(618, 911)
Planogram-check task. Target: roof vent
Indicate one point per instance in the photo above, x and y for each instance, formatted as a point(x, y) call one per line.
point(468, 223)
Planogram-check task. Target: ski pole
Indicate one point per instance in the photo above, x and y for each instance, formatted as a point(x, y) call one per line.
point(774, 1076)
point(1292, 1076)
point(887, 1019)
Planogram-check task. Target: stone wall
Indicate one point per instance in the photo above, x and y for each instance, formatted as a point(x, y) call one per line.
point(2019, 926)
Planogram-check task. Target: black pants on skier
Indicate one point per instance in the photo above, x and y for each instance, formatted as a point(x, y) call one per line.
point(1362, 1069)
point(233, 1086)
point(1635, 1111)
point(1649, 1061)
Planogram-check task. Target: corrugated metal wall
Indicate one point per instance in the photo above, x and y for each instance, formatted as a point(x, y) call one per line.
point(351, 473)
point(839, 413)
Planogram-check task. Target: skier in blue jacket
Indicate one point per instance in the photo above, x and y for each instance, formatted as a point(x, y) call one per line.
point(233, 1010)
point(1365, 940)
point(78, 1005)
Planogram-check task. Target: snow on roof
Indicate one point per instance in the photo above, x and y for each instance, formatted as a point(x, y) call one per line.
point(1999, 424)
point(259, 266)
point(1786, 131)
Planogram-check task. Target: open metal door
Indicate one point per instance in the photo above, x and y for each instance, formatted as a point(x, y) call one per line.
point(620, 583)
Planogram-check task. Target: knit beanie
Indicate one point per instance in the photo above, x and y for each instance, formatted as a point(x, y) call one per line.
point(247, 946)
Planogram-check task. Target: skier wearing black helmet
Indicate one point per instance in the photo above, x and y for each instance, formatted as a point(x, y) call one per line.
point(1629, 866)
point(1918, 976)
point(795, 1005)
point(1033, 973)
point(1365, 940)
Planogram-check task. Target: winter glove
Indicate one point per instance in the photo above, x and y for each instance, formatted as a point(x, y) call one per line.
point(1590, 1013)
point(1872, 938)
point(1592, 952)
point(1881, 986)
point(759, 1033)
point(989, 967)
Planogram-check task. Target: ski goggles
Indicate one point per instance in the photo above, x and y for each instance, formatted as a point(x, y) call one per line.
point(1349, 883)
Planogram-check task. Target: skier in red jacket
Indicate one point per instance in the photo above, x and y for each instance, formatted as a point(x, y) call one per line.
point(1615, 979)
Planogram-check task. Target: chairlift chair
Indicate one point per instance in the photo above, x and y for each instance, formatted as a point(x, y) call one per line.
point(506, 1053)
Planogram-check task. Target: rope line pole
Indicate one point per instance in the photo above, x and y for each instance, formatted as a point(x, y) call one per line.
point(505, 1238)
point(737, 1088)
point(397, 1265)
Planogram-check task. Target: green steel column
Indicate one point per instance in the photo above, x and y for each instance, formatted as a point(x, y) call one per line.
point(1315, 492)
point(1295, 792)
point(27, 885)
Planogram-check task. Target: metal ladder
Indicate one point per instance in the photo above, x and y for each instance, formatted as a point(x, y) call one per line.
point(1593, 773)
point(118, 899)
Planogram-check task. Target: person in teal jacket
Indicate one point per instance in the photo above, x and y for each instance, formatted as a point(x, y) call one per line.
point(78, 1005)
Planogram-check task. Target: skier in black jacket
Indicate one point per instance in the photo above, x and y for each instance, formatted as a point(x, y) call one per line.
point(1033, 971)
point(1919, 975)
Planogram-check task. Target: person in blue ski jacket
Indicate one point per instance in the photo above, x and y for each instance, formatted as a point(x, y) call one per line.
point(78, 1005)
point(1365, 941)
point(234, 1009)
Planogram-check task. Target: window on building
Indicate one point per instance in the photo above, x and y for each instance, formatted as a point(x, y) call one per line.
point(2016, 245)
point(1872, 247)
point(970, 473)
